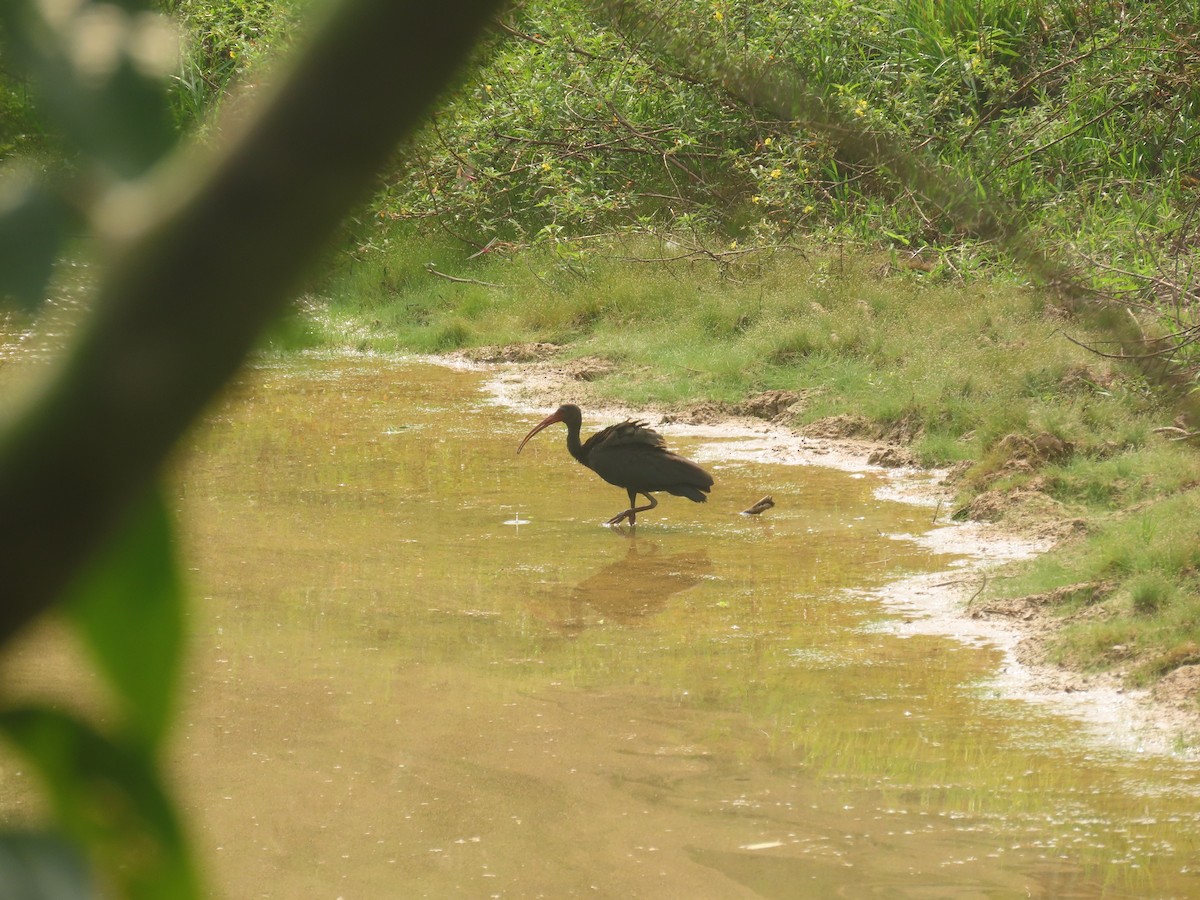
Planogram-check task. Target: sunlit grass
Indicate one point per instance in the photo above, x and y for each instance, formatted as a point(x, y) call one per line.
point(1149, 620)
point(962, 364)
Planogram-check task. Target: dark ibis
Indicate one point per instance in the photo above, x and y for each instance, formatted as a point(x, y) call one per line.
point(630, 455)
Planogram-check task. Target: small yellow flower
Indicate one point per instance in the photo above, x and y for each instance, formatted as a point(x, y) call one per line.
point(756, 199)
point(767, 142)
point(718, 15)
point(545, 167)
point(733, 245)
point(809, 208)
point(775, 173)
point(861, 108)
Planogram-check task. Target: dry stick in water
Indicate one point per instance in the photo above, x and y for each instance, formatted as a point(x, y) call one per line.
point(761, 506)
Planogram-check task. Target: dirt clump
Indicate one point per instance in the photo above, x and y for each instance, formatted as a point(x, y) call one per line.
point(1040, 448)
point(1082, 378)
point(1179, 688)
point(902, 432)
point(957, 473)
point(772, 405)
point(1019, 508)
point(893, 458)
point(1055, 531)
point(843, 426)
point(512, 353)
point(705, 413)
point(905, 430)
point(1031, 606)
point(587, 368)
point(1019, 455)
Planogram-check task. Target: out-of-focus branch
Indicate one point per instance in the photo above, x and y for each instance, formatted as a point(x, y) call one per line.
point(206, 253)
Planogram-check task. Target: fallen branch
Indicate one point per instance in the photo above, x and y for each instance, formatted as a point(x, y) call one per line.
point(432, 270)
point(1176, 433)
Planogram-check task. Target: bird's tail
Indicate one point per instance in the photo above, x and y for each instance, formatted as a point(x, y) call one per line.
point(690, 491)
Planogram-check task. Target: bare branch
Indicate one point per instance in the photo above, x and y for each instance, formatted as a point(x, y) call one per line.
point(431, 268)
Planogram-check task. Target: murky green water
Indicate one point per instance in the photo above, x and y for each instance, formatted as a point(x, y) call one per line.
point(397, 692)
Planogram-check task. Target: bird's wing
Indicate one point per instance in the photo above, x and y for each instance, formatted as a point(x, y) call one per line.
point(646, 466)
point(629, 432)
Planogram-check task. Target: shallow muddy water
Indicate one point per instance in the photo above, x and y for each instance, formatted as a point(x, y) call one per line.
point(421, 668)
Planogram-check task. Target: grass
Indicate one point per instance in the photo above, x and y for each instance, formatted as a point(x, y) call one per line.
point(966, 363)
point(1146, 620)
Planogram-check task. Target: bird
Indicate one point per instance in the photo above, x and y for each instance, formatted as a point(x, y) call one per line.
point(630, 455)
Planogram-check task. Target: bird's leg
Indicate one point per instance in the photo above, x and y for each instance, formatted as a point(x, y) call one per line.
point(634, 509)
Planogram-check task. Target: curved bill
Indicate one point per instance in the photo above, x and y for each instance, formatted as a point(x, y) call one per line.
point(549, 420)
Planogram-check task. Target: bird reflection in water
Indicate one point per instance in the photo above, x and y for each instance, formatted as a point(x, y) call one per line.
point(628, 591)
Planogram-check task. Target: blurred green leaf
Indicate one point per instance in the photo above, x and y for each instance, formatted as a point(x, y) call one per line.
point(290, 333)
point(30, 233)
point(108, 796)
point(99, 70)
point(41, 866)
point(128, 606)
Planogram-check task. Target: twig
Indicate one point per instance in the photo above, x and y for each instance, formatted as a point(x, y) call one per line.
point(980, 591)
point(1178, 434)
point(761, 506)
point(485, 248)
point(1156, 354)
point(431, 268)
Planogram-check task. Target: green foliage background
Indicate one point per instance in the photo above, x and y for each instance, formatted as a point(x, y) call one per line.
point(1081, 113)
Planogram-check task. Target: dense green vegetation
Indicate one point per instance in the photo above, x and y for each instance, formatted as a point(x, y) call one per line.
point(1081, 115)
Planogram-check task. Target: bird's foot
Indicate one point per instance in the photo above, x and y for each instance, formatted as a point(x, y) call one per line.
point(621, 517)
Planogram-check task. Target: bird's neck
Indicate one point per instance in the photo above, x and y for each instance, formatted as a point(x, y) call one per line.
point(574, 445)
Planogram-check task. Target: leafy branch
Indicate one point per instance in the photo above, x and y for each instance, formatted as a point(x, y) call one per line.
point(202, 249)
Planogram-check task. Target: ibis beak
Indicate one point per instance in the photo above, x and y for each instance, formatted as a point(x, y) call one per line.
point(549, 420)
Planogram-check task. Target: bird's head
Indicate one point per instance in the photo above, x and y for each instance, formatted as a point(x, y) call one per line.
point(568, 413)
